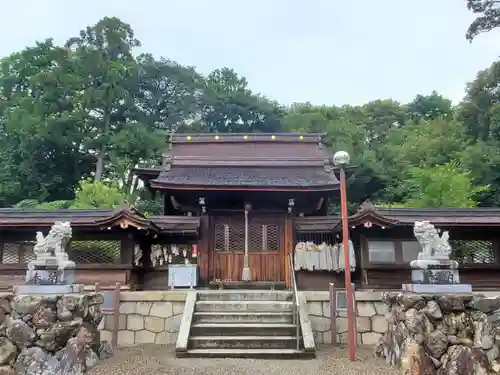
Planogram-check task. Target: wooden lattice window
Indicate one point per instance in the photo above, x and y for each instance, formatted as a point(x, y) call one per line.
point(261, 237)
point(18, 252)
point(95, 251)
point(472, 251)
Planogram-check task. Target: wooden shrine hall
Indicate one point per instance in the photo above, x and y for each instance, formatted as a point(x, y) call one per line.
point(236, 201)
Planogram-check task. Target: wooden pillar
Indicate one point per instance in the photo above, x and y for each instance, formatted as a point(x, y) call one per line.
point(288, 249)
point(204, 250)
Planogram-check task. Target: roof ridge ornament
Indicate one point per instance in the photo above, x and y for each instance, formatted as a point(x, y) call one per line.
point(167, 162)
point(367, 205)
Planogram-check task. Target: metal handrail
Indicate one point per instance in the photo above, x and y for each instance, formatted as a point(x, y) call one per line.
point(295, 299)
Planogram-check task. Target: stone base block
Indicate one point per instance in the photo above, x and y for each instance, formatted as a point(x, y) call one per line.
point(48, 289)
point(437, 288)
point(435, 276)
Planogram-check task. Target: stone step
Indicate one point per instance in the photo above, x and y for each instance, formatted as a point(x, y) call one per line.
point(242, 317)
point(252, 306)
point(242, 342)
point(244, 295)
point(243, 329)
point(248, 353)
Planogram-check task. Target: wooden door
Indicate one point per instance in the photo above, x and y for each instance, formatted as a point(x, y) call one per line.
point(265, 248)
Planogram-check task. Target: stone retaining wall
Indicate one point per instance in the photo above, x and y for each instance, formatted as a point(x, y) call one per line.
point(50, 334)
point(371, 322)
point(148, 317)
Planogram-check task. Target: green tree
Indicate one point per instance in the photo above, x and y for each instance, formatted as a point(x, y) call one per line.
point(440, 186)
point(97, 195)
point(230, 106)
point(429, 107)
point(103, 60)
point(488, 17)
point(37, 122)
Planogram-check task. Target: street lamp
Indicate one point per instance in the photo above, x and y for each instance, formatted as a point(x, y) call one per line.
point(341, 159)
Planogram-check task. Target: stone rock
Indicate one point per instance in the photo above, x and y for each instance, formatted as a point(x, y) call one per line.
point(485, 305)
point(415, 361)
point(26, 304)
point(463, 360)
point(315, 308)
point(436, 343)
point(126, 338)
point(88, 334)
point(370, 338)
point(162, 309)
point(8, 351)
point(73, 358)
point(411, 301)
point(493, 353)
point(483, 337)
point(94, 299)
point(72, 306)
point(154, 324)
point(3, 314)
point(495, 367)
point(35, 361)
point(341, 324)
point(94, 315)
point(379, 324)
point(417, 322)
point(451, 302)
point(91, 359)
point(494, 318)
point(458, 324)
point(135, 322)
point(20, 333)
point(144, 337)
point(5, 304)
point(58, 334)
point(363, 325)
point(380, 308)
point(7, 370)
point(432, 310)
point(389, 298)
point(366, 309)
point(43, 317)
point(454, 340)
point(105, 350)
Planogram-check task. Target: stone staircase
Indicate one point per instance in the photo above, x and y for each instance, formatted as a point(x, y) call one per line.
point(243, 323)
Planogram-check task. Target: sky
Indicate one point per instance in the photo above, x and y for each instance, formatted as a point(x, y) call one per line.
point(331, 52)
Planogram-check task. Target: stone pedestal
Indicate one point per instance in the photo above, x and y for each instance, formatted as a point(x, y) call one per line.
point(435, 276)
point(48, 289)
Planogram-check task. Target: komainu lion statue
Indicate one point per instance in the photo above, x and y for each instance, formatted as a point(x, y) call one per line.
point(54, 244)
point(433, 245)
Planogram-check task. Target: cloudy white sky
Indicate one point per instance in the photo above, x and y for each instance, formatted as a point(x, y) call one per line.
point(323, 51)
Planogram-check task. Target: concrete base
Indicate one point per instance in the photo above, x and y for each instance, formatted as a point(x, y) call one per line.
point(437, 288)
point(430, 263)
point(47, 289)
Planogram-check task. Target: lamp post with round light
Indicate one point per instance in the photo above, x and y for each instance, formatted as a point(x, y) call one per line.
point(341, 159)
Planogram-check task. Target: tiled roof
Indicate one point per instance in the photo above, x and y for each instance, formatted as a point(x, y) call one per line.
point(286, 177)
point(287, 161)
point(97, 218)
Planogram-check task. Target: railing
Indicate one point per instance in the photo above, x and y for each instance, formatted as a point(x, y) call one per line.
point(295, 296)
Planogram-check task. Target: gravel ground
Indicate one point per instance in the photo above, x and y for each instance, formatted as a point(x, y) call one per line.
point(154, 359)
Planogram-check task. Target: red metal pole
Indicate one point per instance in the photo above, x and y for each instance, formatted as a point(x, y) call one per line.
point(351, 318)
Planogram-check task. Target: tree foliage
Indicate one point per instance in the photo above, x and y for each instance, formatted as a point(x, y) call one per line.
point(488, 17)
point(76, 119)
